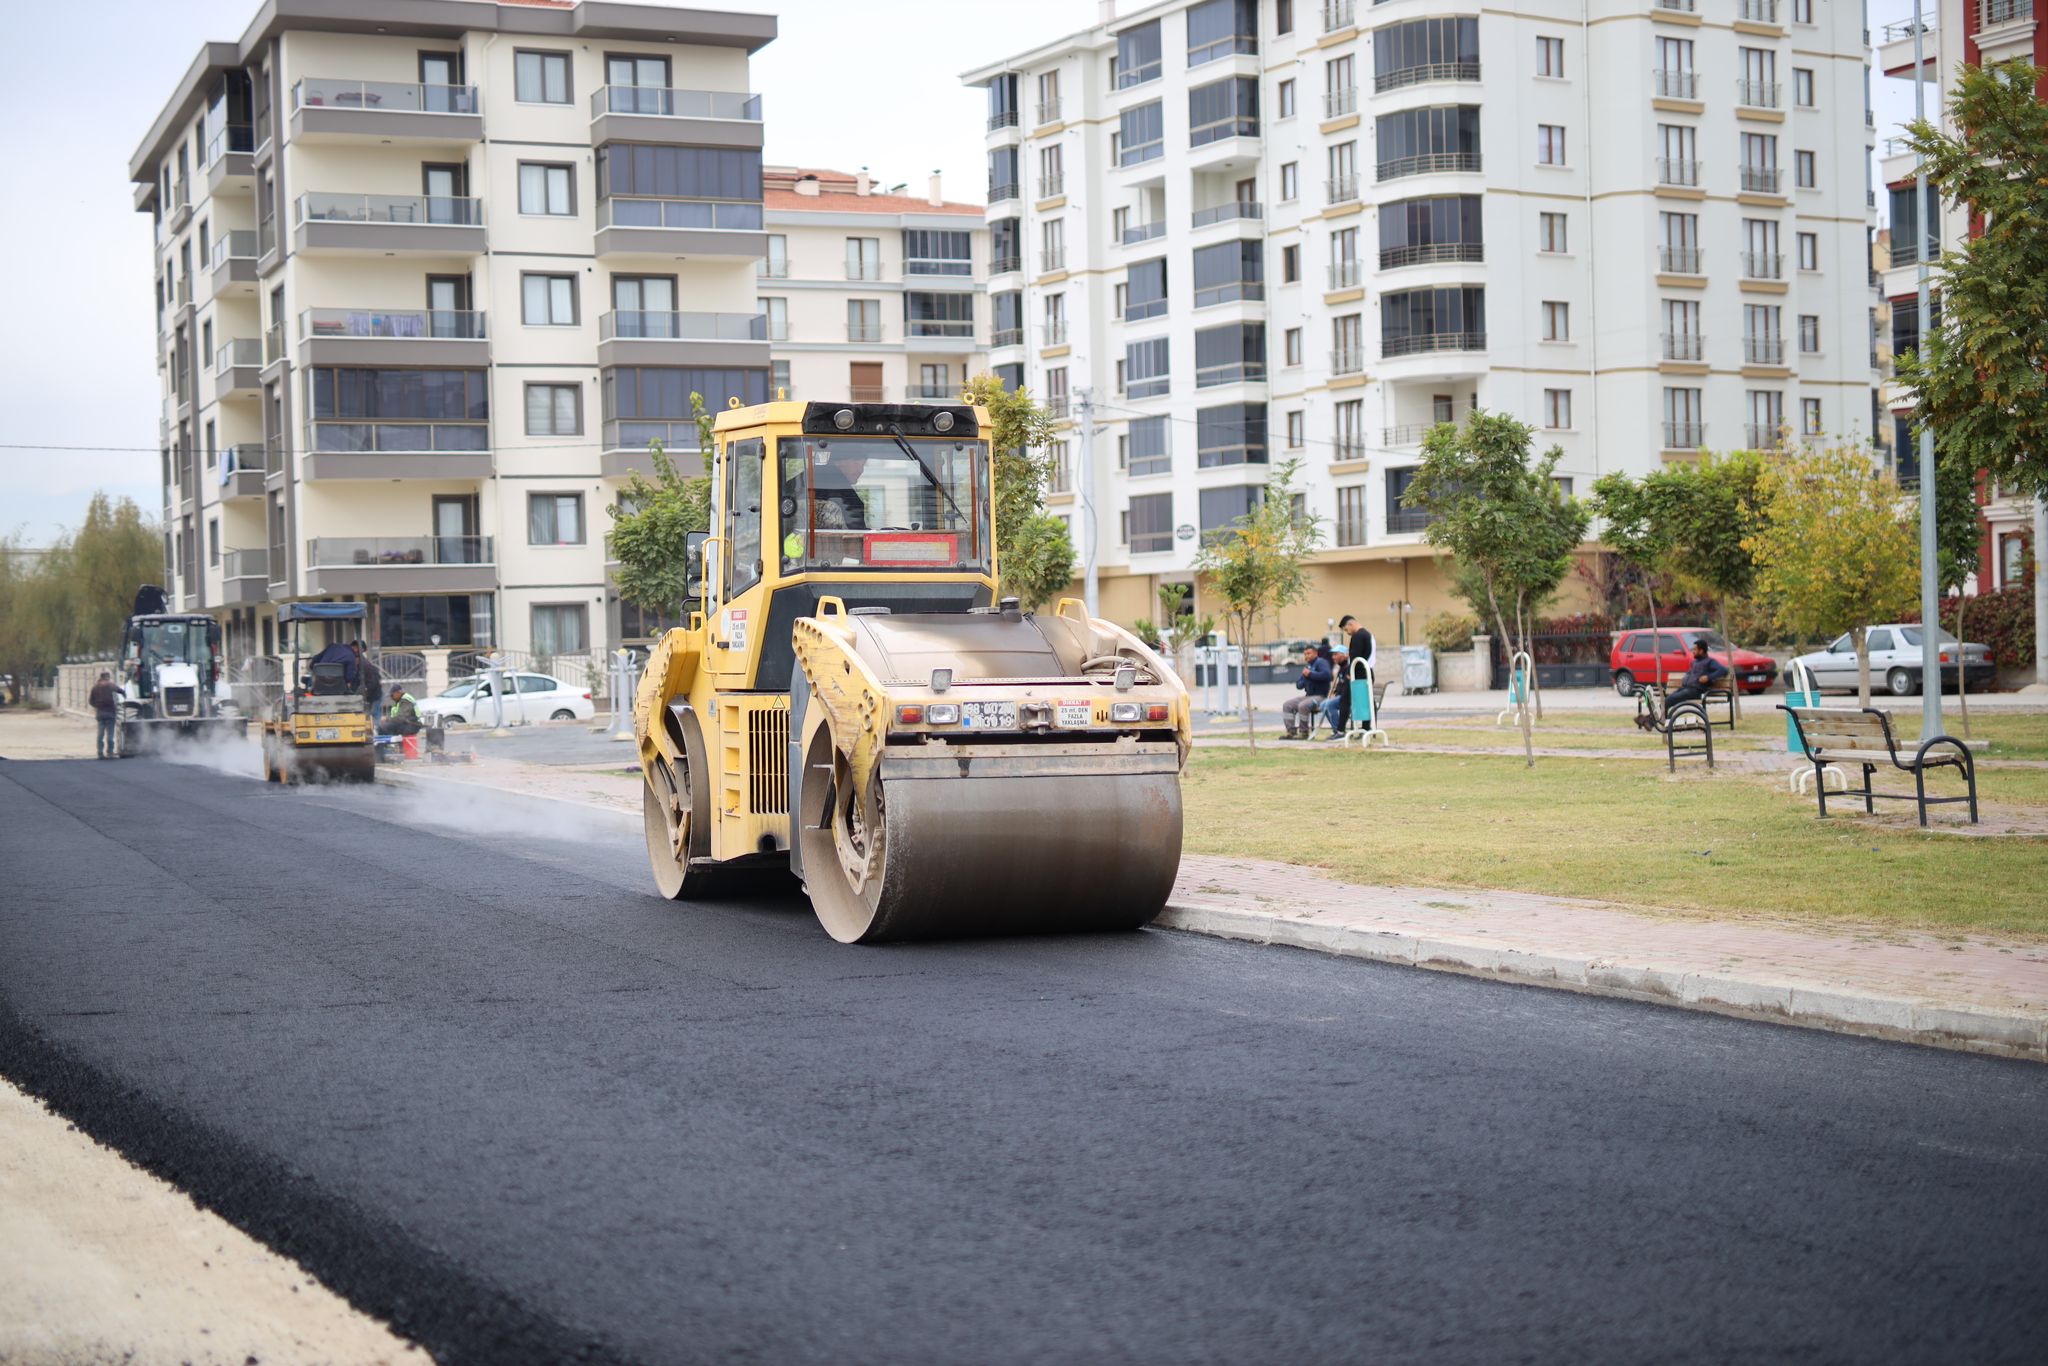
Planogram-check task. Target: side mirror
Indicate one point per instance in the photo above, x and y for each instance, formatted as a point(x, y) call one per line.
point(694, 562)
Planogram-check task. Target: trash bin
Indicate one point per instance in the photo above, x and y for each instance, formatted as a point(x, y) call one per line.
point(1418, 669)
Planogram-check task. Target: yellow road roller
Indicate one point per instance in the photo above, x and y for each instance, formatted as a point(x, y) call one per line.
point(318, 727)
point(853, 702)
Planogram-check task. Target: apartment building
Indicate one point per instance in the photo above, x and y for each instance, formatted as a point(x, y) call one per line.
point(430, 276)
point(1954, 33)
point(1259, 229)
point(872, 293)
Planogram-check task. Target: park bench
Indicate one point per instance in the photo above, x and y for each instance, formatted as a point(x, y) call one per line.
point(1650, 700)
point(1688, 733)
point(1863, 736)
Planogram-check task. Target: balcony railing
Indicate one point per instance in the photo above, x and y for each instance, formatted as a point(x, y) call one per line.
point(1051, 186)
point(237, 459)
point(1762, 180)
point(183, 292)
point(1135, 233)
point(1005, 265)
point(1684, 436)
point(1678, 171)
point(1234, 372)
point(1338, 103)
point(235, 137)
point(1763, 265)
point(1673, 85)
point(238, 351)
point(1681, 6)
point(343, 552)
point(863, 270)
point(1341, 189)
point(634, 433)
point(1415, 343)
point(1907, 253)
point(411, 437)
point(642, 325)
point(1052, 259)
point(442, 324)
point(771, 269)
point(1758, 94)
point(385, 97)
point(1006, 119)
point(2004, 12)
point(661, 102)
point(1048, 112)
point(1429, 253)
point(1424, 72)
point(939, 327)
point(266, 237)
point(239, 244)
point(1413, 433)
point(1346, 274)
point(863, 332)
point(1347, 360)
point(245, 564)
point(1401, 521)
point(1758, 11)
point(1679, 260)
point(1224, 213)
point(1339, 14)
point(998, 191)
point(1056, 405)
point(713, 214)
point(1903, 30)
point(1140, 309)
point(1685, 346)
point(438, 210)
point(1429, 163)
point(919, 392)
point(1763, 350)
point(181, 196)
point(1006, 336)
point(1764, 436)
point(1053, 332)
point(273, 344)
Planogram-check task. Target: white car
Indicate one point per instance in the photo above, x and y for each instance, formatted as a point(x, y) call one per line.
point(530, 697)
point(1895, 663)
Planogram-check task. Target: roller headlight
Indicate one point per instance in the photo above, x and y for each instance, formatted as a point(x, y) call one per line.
point(843, 419)
point(1124, 713)
point(942, 714)
point(943, 422)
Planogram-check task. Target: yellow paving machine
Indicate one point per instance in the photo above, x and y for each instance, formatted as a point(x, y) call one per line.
point(319, 728)
point(854, 703)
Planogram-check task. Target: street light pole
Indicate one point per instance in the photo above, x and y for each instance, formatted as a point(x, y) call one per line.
point(1084, 480)
point(1930, 590)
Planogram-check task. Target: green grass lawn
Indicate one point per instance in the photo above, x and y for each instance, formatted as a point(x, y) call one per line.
point(2011, 736)
point(1617, 830)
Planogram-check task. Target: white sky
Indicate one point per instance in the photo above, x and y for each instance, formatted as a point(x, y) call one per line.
point(849, 83)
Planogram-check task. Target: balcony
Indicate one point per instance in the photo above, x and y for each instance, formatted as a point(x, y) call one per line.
point(1763, 180)
point(939, 329)
point(1895, 48)
point(1684, 436)
point(866, 333)
point(626, 441)
point(238, 368)
point(425, 337)
point(1764, 436)
point(241, 472)
point(1409, 434)
point(266, 243)
point(1339, 103)
point(1057, 407)
point(1347, 360)
point(1339, 15)
point(1226, 213)
point(397, 450)
point(1683, 172)
point(1051, 186)
point(1005, 265)
point(1346, 274)
point(1763, 351)
point(998, 191)
point(2005, 30)
point(631, 337)
point(1757, 11)
point(1420, 343)
point(400, 564)
point(273, 345)
point(1234, 372)
point(389, 225)
point(1006, 119)
point(229, 165)
point(1907, 253)
point(703, 118)
point(245, 577)
point(1424, 73)
point(233, 263)
point(1406, 521)
point(1429, 163)
point(1135, 233)
point(679, 227)
point(1048, 113)
point(1763, 265)
point(377, 112)
point(1679, 260)
point(1430, 253)
point(1674, 85)
point(1758, 94)
point(1341, 189)
point(1689, 347)
point(1006, 336)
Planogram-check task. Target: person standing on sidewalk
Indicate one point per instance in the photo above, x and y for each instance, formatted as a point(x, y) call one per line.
point(106, 709)
point(1359, 646)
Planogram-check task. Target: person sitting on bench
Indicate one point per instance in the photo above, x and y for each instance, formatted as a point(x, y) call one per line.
point(1705, 675)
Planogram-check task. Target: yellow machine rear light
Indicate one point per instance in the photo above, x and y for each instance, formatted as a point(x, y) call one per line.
point(1156, 712)
point(910, 716)
point(942, 714)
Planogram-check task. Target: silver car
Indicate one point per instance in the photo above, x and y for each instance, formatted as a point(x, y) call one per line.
point(1895, 663)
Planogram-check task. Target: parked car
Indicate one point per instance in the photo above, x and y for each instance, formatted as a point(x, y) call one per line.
point(531, 697)
point(1895, 663)
point(1662, 656)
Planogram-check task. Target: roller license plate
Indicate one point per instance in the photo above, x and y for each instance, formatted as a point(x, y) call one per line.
point(989, 715)
point(327, 733)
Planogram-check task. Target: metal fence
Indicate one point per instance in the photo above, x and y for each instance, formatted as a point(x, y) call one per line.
point(1574, 659)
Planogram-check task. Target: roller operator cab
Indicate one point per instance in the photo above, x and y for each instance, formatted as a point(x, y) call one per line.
point(854, 703)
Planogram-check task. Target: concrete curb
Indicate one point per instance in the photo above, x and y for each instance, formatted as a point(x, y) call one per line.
point(1810, 1005)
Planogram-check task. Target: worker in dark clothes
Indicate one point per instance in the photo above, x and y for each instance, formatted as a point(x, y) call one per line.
point(106, 709)
point(372, 678)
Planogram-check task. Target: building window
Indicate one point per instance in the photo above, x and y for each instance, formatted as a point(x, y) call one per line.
point(1290, 264)
point(1229, 271)
point(1286, 95)
point(1223, 508)
point(1141, 134)
point(547, 300)
point(1557, 409)
point(1351, 515)
point(1802, 11)
point(554, 519)
point(540, 77)
point(1682, 427)
point(1223, 109)
point(1550, 57)
point(1350, 442)
point(1805, 170)
point(778, 379)
point(1222, 28)
point(863, 258)
point(1148, 524)
point(1802, 87)
point(1766, 418)
point(1550, 232)
point(213, 541)
point(546, 189)
point(1295, 425)
point(561, 629)
point(1809, 251)
point(1283, 16)
point(1549, 144)
point(776, 311)
point(1147, 368)
point(1557, 321)
point(1230, 434)
point(1148, 446)
point(1290, 181)
point(211, 438)
point(554, 410)
point(863, 320)
point(1291, 341)
point(1809, 333)
point(1809, 416)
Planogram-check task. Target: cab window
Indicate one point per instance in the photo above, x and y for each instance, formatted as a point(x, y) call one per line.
point(861, 502)
point(743, 515)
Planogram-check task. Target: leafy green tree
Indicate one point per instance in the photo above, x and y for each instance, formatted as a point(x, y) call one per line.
point(652, 522)
point(75, 597)
point(1981, 377)
point(1836, 549)
point(1498, 510)
point(1711, 507)
point(1637, 527)
point(1038, 563)
point(1260, 563)
point(1036, 554)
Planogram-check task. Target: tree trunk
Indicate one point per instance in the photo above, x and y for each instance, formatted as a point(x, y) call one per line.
point(1528, 623)
point(1244, 676)
point(1529, 685)
point(1962, 666)
point(1734, 679)
point(1859, 637)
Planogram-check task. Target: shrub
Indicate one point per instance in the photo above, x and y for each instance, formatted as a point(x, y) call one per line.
point(2003, 620)
point(1449, 632)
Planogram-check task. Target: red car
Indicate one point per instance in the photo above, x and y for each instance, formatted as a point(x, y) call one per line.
point(1636, 659)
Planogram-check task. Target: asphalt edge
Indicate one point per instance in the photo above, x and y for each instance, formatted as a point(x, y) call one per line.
point(372, 1263)
point(1996, 1033)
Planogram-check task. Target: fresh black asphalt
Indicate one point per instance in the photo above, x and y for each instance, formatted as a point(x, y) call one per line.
point(455, 1056)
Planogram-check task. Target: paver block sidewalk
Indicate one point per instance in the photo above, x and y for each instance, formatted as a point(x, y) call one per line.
point(1965, 992)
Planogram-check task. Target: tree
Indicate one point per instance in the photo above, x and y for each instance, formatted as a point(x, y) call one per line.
point(1036, 554)
point(1637, 526)
point(1260, 563)
point(75, 597)
point(1836, 550)
point(1038, 564)
point(1956, 549)
point(1711, 508)
point(652, 522)
point(1981, 377)
point(1500, 513)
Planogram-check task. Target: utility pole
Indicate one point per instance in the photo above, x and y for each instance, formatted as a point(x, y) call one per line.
point(1084, 480)
point(1930, 591)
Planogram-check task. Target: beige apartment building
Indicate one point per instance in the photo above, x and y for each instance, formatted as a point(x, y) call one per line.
point(872, 294)
point(430, 275)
